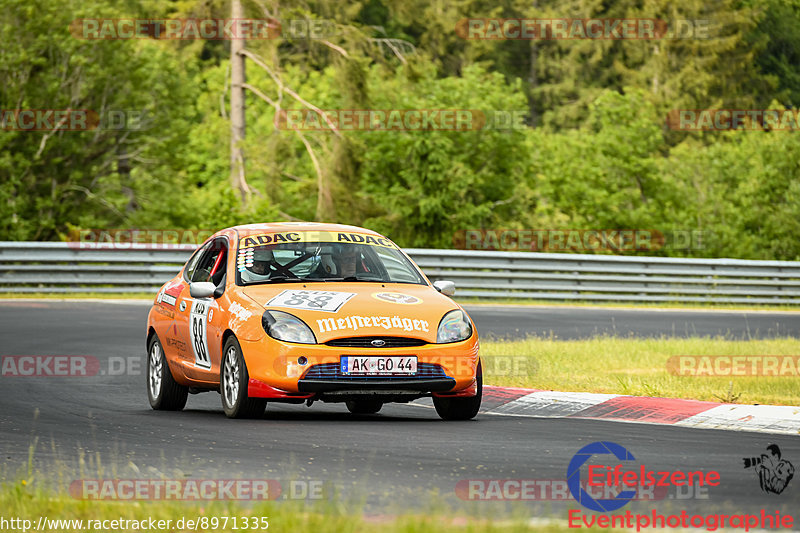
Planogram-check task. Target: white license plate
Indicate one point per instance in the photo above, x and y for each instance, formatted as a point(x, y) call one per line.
point(355, 365)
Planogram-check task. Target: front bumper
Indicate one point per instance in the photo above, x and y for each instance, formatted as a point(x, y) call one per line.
point(408, 386)
point(446, 369)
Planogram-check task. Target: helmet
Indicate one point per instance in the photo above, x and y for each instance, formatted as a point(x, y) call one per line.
point(328, 264)
point(334, 259)
point(258, 268)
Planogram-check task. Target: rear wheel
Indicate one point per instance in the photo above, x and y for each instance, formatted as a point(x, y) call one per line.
point(364, 407)
point(460, 408)
point(164, 393)
point(233, 381)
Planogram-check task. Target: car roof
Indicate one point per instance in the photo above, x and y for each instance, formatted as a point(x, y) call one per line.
point(276, 227)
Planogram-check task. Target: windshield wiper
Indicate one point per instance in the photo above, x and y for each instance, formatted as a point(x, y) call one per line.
point(357, 278)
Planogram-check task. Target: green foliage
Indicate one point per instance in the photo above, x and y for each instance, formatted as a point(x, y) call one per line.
point(424, 186)
point(604, 175)
point(88, 178)
point(744, 191)
point(593, 152)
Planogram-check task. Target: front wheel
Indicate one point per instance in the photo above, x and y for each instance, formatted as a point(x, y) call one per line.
point(460, 408)
point(233, 381)
point(164, 393)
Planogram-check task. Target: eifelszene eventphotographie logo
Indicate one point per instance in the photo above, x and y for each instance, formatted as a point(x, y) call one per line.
point(774, 473)
point(623, 475)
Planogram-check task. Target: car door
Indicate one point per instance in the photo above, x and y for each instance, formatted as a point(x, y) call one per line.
point(173, 337)
point(198, 319)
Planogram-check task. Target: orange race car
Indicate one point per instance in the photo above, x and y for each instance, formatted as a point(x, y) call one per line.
point(299, 312)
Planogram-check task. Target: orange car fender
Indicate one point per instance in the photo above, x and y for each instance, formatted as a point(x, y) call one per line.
point(245, 321)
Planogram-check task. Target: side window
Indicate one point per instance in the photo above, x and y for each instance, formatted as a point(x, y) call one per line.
point(191, 265)
point(212, 264)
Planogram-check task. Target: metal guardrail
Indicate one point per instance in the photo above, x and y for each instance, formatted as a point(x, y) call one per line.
point(72, 268)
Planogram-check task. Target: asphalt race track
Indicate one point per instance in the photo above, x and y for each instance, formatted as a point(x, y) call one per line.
point(394, 460)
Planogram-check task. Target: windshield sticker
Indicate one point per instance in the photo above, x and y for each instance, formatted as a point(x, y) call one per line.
point(266, 239)
point(397, 298)
point(245, 260)
point(328, 301)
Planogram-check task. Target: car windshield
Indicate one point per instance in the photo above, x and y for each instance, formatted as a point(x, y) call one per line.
point(288, 262)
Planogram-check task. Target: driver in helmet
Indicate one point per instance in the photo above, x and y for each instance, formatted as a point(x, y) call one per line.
point(341, 261)
point(348, 260)
point(259, 270)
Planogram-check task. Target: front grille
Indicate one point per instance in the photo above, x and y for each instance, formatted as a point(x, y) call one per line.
point(334, 371)
point(366, 342)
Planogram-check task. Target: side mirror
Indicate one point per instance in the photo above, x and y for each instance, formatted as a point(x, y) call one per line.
point(202, 289)
point(448, 288)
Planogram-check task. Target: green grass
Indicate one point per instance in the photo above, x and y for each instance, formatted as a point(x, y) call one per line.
point(700, 306)
point(24, 500)
point(41, 488)
point(636, 367)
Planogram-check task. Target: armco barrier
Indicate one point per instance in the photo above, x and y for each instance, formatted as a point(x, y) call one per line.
point(67, 268)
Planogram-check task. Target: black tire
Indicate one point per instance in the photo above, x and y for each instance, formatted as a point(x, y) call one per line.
point(460, 408)
point(164, 393)
point(233, 380)
point(364, 407)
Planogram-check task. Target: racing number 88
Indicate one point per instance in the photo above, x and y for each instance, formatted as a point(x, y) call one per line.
point(197, 332)
point(320, 300)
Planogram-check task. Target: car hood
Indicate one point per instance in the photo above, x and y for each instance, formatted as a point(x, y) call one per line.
point(336, 310)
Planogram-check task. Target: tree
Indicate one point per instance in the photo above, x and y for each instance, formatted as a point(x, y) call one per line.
point(238, 124)
point(52, 178)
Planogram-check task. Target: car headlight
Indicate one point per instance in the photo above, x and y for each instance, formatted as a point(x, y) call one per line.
point(454, 327)
point(286, 327)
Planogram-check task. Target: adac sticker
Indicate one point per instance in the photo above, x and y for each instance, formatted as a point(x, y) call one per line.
point(266, 239)
point(397, 298)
